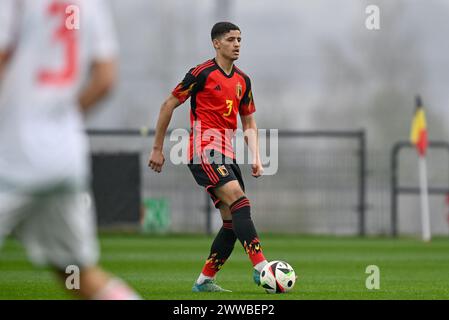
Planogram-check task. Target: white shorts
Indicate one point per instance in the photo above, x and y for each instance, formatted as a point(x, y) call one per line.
point(56, 228)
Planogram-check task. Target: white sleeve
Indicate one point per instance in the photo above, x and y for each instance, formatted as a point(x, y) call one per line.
point(7, 12)
point(105, 45)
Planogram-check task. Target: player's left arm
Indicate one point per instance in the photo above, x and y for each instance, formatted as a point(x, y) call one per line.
point(3, 60)
point(252, 140)
point(102, 78)
point(7, 18)
point(103, 57)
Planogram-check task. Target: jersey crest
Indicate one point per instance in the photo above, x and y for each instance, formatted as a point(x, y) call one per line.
point(238, 90)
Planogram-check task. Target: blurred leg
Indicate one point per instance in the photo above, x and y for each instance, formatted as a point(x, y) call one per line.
point(60, 231)
point(96, 284)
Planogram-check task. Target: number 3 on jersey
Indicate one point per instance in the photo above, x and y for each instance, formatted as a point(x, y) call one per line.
point(229, 106)
point(68, 39)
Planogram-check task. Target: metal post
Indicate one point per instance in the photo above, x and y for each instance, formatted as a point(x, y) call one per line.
point(362, 183)
point(394, 195)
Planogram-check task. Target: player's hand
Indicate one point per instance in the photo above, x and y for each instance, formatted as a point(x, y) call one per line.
point(257, 169)
point(157, 160)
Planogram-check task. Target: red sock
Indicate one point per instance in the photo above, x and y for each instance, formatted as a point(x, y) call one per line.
point(254, 251)
point(212, 265)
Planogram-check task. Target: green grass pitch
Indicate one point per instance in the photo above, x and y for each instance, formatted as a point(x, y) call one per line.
point(165, 267)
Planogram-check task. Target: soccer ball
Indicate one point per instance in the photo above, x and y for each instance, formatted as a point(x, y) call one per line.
point(277, 277)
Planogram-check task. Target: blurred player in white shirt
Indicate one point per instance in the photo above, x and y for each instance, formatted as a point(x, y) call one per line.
point(51, 72)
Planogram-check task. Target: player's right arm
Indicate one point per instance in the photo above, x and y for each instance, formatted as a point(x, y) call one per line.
point(180, 94)
point(157, 156)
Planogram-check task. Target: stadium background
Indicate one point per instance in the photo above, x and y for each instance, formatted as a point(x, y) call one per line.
point(314, 66)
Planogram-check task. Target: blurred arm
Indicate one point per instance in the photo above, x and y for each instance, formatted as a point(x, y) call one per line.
point(3, 60)
point(9, 19)
point(103, 76)
point(165, 114)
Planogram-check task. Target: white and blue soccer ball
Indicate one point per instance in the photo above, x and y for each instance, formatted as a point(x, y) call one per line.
point(277, 277)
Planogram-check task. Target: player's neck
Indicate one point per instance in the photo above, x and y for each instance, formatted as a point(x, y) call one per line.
point(225, 64)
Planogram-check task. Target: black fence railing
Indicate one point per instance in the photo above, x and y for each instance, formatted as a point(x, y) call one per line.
point(306, 175)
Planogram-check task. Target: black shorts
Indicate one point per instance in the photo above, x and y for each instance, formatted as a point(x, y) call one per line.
point(212, 174)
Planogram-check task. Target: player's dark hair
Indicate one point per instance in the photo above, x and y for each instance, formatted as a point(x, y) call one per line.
point(221, 28)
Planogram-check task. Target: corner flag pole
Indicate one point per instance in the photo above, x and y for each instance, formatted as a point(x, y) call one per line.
point(418, 137)
point(425, 212)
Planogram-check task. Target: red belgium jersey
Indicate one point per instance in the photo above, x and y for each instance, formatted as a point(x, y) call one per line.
point(216, 99)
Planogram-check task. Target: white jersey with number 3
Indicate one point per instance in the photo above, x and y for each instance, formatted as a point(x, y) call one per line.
point(52, 44)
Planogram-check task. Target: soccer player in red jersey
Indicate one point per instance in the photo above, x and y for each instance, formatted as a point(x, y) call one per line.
point(218, 92)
